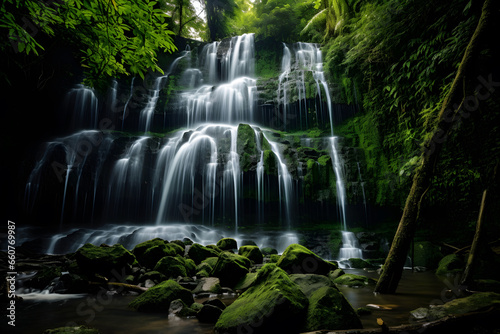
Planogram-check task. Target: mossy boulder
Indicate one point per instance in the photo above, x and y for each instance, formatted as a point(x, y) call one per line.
point(253, 253)
point(141, 248)
point(208, 284)
point(159, 297)
point(148, 253)
point(297, 259)
point(353, 280)
point(230, 268)
point(268, 251)
point(334, 274)
point(328, 309)
point(171, 267)
point(180, 309)
point(43, 277)
point(246, 281)
point(104, 259)
point(274, 304)
point(214, 248)
point(203, 270)
point(72, 330)
point(357, 263)
point(274, 258)
point(426, 254)
point(198, 253)
point(211, 261)
point(227, 244)
point(309, 283)
point(449, 265)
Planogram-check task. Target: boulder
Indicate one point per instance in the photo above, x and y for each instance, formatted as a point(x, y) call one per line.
point(274, 304)
point(252, 253)
point(334, 274)
point(171, 267)
point(230, 268)
point(309, 283)
point(449, 265)
point(246, 281)
point(426, 254)
point(214, 248)
point(297, 259)
point(104, 259)
point(43, 277)
point(209, 314)
point(211, 261)
point(359, 263)
point(328, 309)
point(208, 284)
point(180, 309)
point(159, 297)
point(268, 251)
point(248, 243)
point(203, 270)
point(215, 302)
point(149, 252)
point(198, 253)
point(227, 244)
point(352, 280)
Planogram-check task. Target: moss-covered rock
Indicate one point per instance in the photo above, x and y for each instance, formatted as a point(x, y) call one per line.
point(180, 309)
point(334, 274)
point(141, 248)
point(211, 261)
point(159, 297)
point(171, 267)
point(274, 258)
point(359, 263)
point(246, 145)
point(227, 244)
point(214, 248)
point(353, 280)
point(246, 282)
point(104, 259)
point(309, 283)
point(198, 253)
point(426, 254)
point(230, 268)
point(328, 309)
point(149, 252)
point(268, 251)
point(43, 277)
point(274, 304)
point(270, 163)
point(253, 253)
point(297, 259)
point(72, 330)
point(449, 265)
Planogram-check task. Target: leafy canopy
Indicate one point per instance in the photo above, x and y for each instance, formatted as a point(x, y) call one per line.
point(110, 37)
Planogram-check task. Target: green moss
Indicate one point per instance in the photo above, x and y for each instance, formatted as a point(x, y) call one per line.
point(246, 281)
point(274, 258)
point(268, 251)
point(252, 253)
point(328, 309)
point(171, 267)
point(104, 259)
point(198, 253)
point(43, 277)
point(270, 163)
point(274, 302)
point(230, 268)
point(159, 297)
point(211, 261)
point(450, 264)
point(227, 244)
point(297, 259)
point(359, 263)
point(353, 280)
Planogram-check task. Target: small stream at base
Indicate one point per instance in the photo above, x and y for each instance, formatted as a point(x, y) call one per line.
point(110, 313)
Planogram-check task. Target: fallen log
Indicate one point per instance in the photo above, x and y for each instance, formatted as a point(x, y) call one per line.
point(461, 323)
point(128, 287)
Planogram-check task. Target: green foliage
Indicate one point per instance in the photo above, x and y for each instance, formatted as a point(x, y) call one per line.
point(111, 38)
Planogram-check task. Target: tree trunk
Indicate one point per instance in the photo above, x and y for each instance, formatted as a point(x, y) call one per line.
point(477, 243)
point(452, 106)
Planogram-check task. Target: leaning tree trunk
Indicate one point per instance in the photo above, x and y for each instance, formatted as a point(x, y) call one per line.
point(449, 114)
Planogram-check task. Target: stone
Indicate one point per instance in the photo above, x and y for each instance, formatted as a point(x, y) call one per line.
point(227, 244)
point(359, 263)
point(215, 302)
point(104, 259)
point(230, 268)
point(274, 304)
point(309, 283)
point(171, 267)
point(159, 297)
point(353, 280)
point(209, 314)
point(198, 253)
point(328, 309)
point(268, 251)
point(208, 284)
point(334, 274)
point(252, 253)
point(450, 265)
point(180, 309)
point(297, 259)
point(246, 282)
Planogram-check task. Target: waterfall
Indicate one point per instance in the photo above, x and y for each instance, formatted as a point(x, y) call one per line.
point(339, 174)
point(286, 66)
point(350, 247)
point(84, 105)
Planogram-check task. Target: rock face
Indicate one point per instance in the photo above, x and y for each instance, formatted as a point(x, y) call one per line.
point(253, 253)
point(297, 259)
point(159, 297)
point(103, 259)
point(230, 268)
point(274, 304)
point(328, 309)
